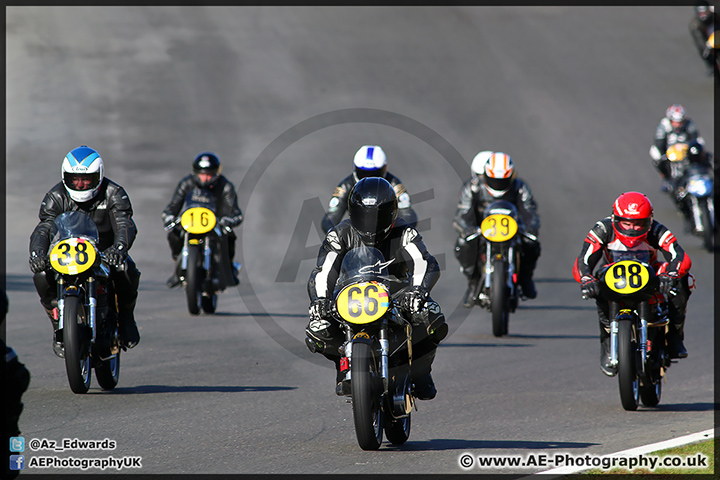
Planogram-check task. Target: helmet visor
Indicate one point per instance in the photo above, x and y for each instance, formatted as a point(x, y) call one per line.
point(361, 173)
point(372, 223)
point(81, 181)
point(632, 227)
point(499, 184)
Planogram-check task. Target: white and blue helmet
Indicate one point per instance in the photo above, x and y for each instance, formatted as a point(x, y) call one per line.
point(82, 162)
point(370, 161)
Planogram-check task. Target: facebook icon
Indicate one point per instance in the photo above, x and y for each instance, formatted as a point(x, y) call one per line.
point(17, 462)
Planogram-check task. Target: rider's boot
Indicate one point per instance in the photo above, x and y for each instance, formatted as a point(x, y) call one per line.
point(471, 293)
point(58, 347)
point(675, 337)
point(126, 298)
point(605, 364)
point(528, 261)
point(423, 385)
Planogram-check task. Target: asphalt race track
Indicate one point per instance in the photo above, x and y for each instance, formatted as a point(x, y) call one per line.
point(285, 96)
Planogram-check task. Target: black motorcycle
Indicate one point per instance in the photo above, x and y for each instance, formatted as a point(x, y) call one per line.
point(499, 260)
point(377, 353)
point(204, 266)
point(638, 320)
point(87, 307)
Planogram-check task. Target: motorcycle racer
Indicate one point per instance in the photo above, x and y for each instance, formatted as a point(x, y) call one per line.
point(373, 211)
point(674, 127)
point(84, 187)
point(369, 161)
point(631, 227)
point(493, 178)
point(206, 174)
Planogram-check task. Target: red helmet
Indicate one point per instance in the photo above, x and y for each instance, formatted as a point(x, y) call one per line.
point(632, 217)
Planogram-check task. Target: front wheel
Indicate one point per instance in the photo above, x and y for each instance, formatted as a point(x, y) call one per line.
point(499, 298)
point(77, 356)
point(367, 411)
point(627, 368)
point(193, 280)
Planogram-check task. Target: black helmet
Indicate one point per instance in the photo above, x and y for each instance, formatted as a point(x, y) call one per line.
point(206, 162)
point(372, 207)
point(695, 152)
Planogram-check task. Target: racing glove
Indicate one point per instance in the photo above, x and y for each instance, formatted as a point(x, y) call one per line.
point(116, 254)
point(38, 262)
point(225, 223)
point(168, 220)
point(666, 282)
point(590, 286)
point(467, 231)
point(320, 309)
point(413, 300)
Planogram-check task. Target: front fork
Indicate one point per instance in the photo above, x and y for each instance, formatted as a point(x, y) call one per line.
point(489, 266)
point(384, 353)
point(91, 303)
point(207, 254)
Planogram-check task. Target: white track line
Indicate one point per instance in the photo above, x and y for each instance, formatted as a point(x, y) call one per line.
point(674, 442)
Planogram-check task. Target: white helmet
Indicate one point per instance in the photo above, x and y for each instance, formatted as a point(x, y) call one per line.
point(478, 164)
point(499, 174)
point(84, 164)
point(370, 161)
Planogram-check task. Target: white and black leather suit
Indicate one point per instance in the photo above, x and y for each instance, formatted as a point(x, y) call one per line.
point(112, 213)
point(410, 259)
point(474, 198)
point(226, 209)
point(666, 136)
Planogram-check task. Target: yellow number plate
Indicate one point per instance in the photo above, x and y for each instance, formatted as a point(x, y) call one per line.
point(198, 220)
point(363, 302)
point(72, 256)
point(627, 277)
point(677, 152)
point(498, 228)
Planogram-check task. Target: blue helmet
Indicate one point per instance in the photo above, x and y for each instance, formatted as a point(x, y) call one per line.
point(82, 173)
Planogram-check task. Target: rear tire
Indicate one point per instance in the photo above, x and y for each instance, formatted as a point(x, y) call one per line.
point(108, 372)
point(209, 303)
point(499, 298)
point(193, 280)
point(627, 369)
point(398, 431)
point(709, 225)
point(77, 356)
point(367, 412)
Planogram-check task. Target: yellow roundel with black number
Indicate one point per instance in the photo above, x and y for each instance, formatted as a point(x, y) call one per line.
point(677, 152)
point(498, 228)
point(198, 220)
point(363, 302)
point(627, 277)
point(72, 256)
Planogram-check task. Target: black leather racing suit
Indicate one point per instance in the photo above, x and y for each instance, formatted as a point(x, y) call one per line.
point(474, 198)
point(410, 259)
point(338, 202)
point(226, 206)
point(112, 212)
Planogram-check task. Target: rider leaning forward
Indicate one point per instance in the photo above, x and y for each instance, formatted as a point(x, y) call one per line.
point(631, 228)
point(84, 187)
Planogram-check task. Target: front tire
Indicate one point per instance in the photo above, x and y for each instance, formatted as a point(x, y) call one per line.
point(367, 412)
point(499, 298)
point(193, 280)
point(627, 368)
point(77, 356)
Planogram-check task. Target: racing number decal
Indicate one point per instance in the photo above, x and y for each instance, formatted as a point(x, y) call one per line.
point(72, 256)
point(498, 228)
point(198, 220)
point(627, 277)
point(363, 302)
